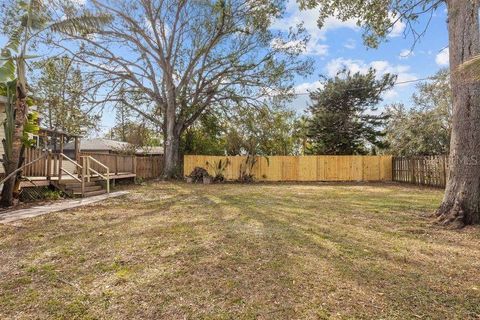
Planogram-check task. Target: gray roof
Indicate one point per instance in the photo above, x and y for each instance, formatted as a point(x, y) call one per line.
point(149, 150)
point(101, 144)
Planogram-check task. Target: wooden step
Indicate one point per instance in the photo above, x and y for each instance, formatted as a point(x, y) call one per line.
point(90, 193)
point(76, 184)
point(77, 189)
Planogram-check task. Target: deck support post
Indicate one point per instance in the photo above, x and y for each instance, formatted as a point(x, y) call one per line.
point(60, 158)
point(49, 165)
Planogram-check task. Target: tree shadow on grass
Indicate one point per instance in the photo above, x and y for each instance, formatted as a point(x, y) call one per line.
point(369, 267)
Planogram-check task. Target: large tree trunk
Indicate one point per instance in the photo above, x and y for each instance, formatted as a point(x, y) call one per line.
point(171, 165)
point(461, 202)
point(8, 186)
point(12, 164)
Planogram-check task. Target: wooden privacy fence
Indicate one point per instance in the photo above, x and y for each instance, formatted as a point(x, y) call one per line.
point(149, 167)
point(145, 167)
point(427, 170)
point(302, 168)
point(116, 163)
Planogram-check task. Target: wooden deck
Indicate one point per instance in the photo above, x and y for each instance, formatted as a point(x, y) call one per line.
point(44, 181)
point(84, 174)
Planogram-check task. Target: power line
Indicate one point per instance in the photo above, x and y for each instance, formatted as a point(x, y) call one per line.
point(396, 84)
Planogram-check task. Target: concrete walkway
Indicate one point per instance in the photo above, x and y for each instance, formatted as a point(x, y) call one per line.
point(16, 215)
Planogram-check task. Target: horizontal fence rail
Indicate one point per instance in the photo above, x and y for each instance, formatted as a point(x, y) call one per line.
point(427, 170)
point(301, 168)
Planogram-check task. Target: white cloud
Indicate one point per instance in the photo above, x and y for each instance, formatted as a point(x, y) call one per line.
point(391, 94)
point(292, 46)
point(317, 49)
point(308, 18)
point(356, 65)
point(336, 65)
point(306, 87)
point(160, 27)
point(442, 58)
point(350, 44)
point(405, 54)
point(398, 28)
point(381, 66)
point(78, 2)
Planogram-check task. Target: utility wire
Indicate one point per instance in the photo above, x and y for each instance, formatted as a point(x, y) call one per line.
point(359, 88)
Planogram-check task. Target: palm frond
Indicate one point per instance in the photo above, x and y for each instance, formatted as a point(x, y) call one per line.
point(13, 42)
point(37, 21)
point(7, 70)
point(84, 24)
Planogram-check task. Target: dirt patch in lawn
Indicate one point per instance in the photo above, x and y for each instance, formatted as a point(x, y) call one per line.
point(262, 251)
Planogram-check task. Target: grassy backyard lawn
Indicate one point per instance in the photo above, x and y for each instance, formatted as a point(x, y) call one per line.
point(263, 251)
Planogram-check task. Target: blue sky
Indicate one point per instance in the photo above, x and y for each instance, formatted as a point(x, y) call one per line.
point(339, 44)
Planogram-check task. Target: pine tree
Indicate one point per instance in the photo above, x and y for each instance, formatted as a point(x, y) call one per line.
point(344, 118)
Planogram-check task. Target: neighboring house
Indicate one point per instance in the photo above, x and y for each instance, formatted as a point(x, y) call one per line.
point(96, 145)
point(107, 146)
point(149, 151)
point(100, 145)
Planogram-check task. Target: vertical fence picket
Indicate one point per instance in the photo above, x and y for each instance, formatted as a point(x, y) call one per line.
point(426, 170)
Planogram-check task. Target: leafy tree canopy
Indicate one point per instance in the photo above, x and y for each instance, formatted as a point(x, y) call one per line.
point(425, 128)
point(261, 131)
point(378, 17)
point(60, 89)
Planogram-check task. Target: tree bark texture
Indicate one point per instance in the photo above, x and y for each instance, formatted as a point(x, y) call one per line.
point(12, 164)
point(461, 202)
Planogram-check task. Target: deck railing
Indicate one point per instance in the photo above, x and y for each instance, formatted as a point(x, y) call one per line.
point(53, 165)
point(78, 168)
point(116, 163)
point(145, 167)
point(26, 165)
point(39, 168)
point(88, 170)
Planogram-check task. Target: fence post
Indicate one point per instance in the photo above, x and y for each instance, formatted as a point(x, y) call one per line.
point(412, 170)
point(84, 170)
point(88, 169)
point(60, 167)
point(49, 165)
point(394, 171)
